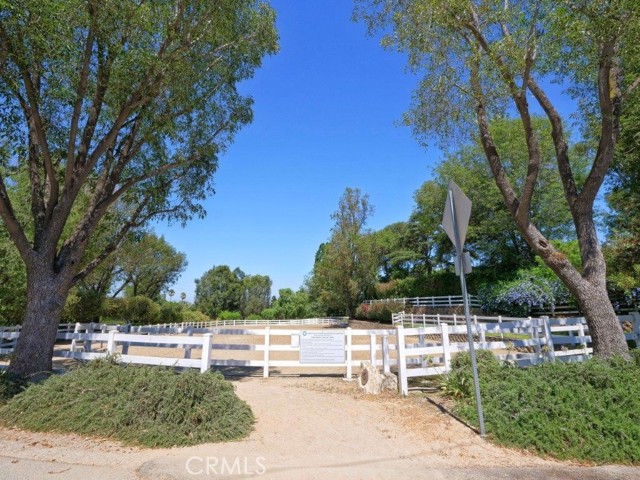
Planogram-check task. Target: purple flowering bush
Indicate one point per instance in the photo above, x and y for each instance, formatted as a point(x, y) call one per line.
point(518, 297)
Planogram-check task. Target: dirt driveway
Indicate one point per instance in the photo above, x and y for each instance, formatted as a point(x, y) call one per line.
point(307, 428)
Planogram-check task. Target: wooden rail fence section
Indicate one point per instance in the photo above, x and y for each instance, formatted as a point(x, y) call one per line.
point(418, 346)
point(433, 302)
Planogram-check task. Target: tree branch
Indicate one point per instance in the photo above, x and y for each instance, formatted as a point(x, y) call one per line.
point(16, 232)
point(497, 169)
point(609, 98)
point(81, 90)
point(559, 142)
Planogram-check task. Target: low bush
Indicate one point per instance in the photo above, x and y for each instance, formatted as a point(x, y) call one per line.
point(10, 386)
point(226, 315)
point(146, 406)
point(583, 411)
point(194, 316)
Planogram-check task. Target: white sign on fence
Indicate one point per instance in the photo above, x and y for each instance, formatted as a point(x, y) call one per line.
point(322, 347)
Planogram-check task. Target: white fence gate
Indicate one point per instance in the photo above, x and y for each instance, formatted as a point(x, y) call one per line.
point(418, 346)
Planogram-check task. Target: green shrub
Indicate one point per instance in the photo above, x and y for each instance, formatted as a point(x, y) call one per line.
point(254, 316)
point(269, 313)
point(170, 312)
point(148, 406)
point(583, 411)
point(226, 315)
point(194, 316)
point(10, 386)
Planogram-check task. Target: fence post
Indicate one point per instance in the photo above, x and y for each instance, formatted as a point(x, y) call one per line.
point(206, 353)
point(500, 324)
point(549, 339)
point(582, 335)
point(187, 348)
point(88, 343)
point(403, 384)
point(446, 349)
point(455, 320)
point(111, 342)
point(438, 318)
point(349, 374)
point(481, 332)
point(267, 344)
point(386, 366)
point(535, 329)
point(125, 346)
point(636, 327)
point(74, 342)
point(372, 350)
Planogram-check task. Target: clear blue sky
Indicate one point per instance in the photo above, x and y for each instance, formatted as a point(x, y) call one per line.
point(325, 115)
point(325, 118)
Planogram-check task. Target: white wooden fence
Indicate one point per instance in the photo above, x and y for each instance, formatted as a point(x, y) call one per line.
point(433, 302)
point(418, 346)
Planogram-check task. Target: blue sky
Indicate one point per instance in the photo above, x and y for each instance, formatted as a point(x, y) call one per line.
point(325, 115)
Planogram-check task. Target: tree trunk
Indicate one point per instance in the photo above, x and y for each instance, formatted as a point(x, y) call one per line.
point(34, 349)
point(605, 329)
point(590, 292)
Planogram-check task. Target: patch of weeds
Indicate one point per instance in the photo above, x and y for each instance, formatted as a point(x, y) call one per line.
point(138, 405)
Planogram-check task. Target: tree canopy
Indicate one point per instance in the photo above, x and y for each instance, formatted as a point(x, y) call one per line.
point(483, 60)
point(131, 104)
point(346, 266)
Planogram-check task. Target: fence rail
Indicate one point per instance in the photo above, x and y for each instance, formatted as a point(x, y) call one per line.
point(433, 302)
point(417, 346)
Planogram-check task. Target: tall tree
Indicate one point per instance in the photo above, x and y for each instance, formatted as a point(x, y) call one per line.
point(480, 58)
point(256, 294)
point(346, 266)
point(493, 238)
point(623, 249)
point(219, 289)
point(130, 102)
point(147, 265)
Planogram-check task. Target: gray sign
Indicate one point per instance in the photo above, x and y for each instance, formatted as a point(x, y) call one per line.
point(321, 347)
point(462, 214)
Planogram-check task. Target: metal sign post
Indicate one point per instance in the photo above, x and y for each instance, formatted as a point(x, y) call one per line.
point(455, 221)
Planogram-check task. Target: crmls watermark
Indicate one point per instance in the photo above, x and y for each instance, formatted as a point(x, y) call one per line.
point(221, 466)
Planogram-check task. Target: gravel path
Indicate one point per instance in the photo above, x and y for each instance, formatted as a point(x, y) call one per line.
point(307, 428)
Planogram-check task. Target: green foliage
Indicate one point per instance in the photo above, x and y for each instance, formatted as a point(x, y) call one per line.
point(519, 296)
point(587, 411)
point(147, 265)
point(290, 305)
point(13, 282)
point(147, 406)
point(10, 386)
point(226, 315)
point(170, 312)
point(256, 294)
point(219, 288)
point(458, 383)
point(141, 310)
point(132, 105)
point(83, 306)
point(194, 316)
point(346, 267)
point(623, 245)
